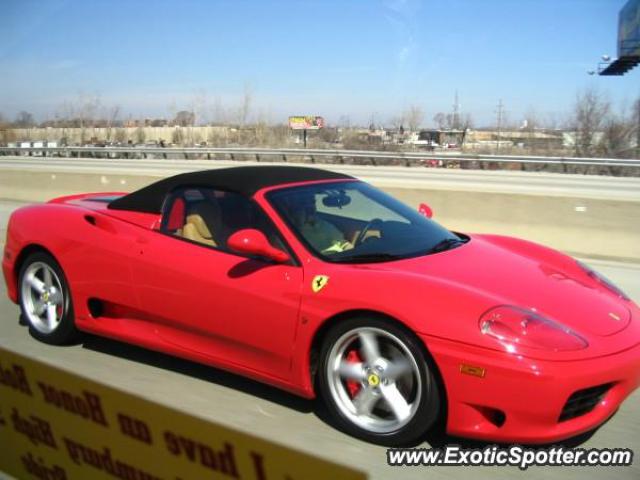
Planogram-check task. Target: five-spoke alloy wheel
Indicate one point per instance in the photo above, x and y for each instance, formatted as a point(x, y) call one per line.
point(377, 382)
point(45, 301)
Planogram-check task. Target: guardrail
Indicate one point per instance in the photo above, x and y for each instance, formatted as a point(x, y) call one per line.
point(314, 156)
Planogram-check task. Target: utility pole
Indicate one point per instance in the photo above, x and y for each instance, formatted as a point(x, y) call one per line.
point(500, 118)
point(456, 112)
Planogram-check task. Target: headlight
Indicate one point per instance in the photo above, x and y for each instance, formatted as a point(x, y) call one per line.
point(602, 280)
point(516, 326)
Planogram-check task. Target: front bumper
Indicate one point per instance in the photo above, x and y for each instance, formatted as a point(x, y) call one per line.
point(520, 400)
point(8, 273)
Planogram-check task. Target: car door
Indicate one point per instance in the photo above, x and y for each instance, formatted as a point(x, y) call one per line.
point(98, 260)
point(211, 302)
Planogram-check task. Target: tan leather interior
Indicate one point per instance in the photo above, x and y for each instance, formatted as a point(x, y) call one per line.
point(196, 229)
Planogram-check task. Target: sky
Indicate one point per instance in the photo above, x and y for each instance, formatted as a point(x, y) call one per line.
point(352, 60)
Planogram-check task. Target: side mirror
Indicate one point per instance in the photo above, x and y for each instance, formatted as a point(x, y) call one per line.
point(425, 210)
point(253, 242)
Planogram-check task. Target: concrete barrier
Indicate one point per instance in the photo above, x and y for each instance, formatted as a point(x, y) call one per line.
point(579, 225)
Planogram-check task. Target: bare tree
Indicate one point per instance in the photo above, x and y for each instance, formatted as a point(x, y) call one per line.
point(398, 122)
point(184, 118)
point(590, 113)
point(112, 118)
point(140, 134)
point(219, 114)
point(441, 120)
point(177, 137)
point(466, 122)
point(620, 132)
point(24, 120)
point(414, 115)
point(121, 135)
point(87, 108)
point(245, 108)
point(529, 125)
point(199, 107)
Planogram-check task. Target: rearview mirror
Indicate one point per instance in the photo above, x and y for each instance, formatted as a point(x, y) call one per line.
point(253, 242)
point(336, 200)
point(425, 210)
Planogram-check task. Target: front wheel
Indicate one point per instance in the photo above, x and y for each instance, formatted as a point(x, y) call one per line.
point(45, 301)
point(377, 383)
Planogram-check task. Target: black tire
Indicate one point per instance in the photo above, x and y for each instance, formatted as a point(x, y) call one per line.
point(65, 331)
point(428, 407)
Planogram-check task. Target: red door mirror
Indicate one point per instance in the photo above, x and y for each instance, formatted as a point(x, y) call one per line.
point(253, 242)
point(425, 210)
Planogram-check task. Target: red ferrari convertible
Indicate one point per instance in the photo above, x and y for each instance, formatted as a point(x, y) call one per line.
point(321, 284)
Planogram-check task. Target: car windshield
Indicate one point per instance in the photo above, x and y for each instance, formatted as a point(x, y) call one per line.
point(353, 222)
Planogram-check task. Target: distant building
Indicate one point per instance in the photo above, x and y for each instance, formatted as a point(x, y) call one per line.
point(437, 138)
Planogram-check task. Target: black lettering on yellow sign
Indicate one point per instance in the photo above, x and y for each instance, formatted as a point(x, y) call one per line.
point(222, 461)
point(37, 430)
point(81, 429)
point(101, 459)
point(39, 469)
point(15, 377)
point(134, 428)
point(87, 405)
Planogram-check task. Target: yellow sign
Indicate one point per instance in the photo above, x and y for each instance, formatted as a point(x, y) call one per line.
point(55, 425)
point(319, 282)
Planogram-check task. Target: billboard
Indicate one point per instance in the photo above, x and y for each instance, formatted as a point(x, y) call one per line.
point(306, 122)
point(629, 29)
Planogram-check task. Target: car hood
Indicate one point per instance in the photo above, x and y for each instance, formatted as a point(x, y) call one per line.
point(509, 271)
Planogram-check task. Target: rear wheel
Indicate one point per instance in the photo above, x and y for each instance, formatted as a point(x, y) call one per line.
point(377, 383)
point(45, 301)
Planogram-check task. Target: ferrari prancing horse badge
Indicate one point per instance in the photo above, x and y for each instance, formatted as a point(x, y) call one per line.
point(318, 283)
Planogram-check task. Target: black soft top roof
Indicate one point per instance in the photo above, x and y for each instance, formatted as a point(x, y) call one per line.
point(244, 180)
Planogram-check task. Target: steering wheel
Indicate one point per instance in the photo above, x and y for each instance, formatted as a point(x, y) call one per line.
point(363, 232)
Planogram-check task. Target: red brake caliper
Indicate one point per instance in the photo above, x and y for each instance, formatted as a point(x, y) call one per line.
point(353, 386)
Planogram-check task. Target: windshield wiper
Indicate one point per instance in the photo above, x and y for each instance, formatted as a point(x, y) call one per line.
point(368, 257)
point(446, 244)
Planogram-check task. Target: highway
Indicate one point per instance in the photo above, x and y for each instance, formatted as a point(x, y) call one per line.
point(497, 181)
point(298, 423)
point(585, 215)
